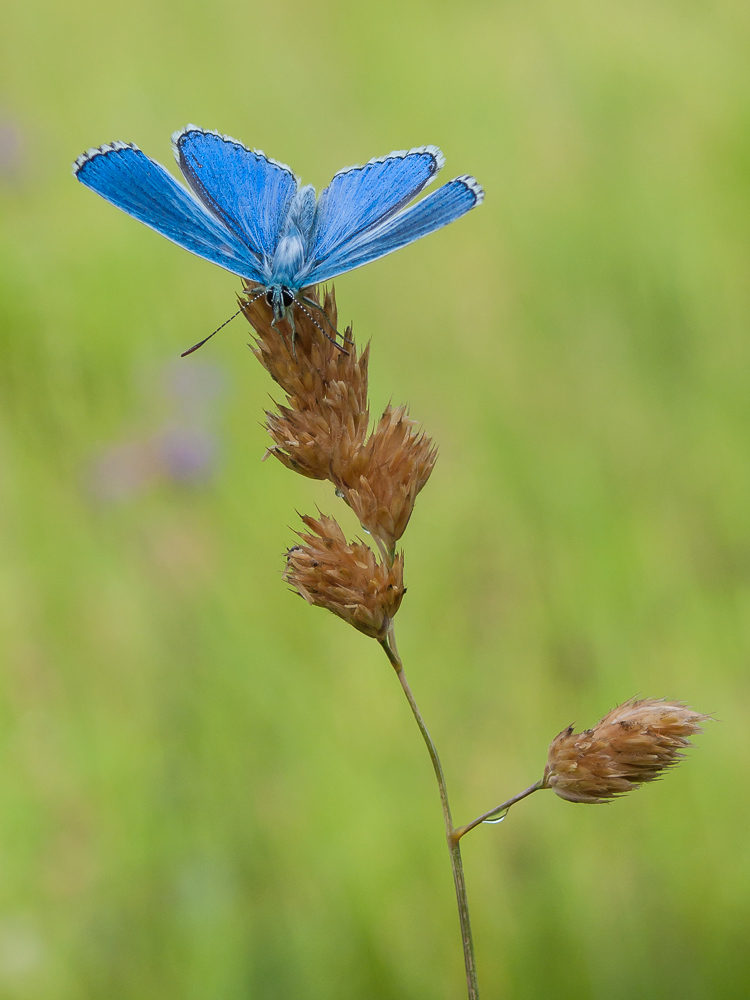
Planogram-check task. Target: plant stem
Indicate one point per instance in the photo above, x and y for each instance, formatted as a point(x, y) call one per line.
point(492, 812)
point(389, 646)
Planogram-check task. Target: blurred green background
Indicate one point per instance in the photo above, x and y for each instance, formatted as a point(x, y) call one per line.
point(209, 789)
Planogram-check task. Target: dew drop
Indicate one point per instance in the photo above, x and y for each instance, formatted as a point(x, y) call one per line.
point(339, 493)
point(497, 818)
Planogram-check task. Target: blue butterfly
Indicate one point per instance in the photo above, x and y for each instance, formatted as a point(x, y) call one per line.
point(248, 214)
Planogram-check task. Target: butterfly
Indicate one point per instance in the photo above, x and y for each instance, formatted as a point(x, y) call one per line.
point(250, 215)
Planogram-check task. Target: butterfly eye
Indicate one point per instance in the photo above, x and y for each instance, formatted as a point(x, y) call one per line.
point(286, 297)
point(269, 297)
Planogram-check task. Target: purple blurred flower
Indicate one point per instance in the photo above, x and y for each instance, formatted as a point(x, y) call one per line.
point(188, 454)
point(11, 150)
point(183, 450)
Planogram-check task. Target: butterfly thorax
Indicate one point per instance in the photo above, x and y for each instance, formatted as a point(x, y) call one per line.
point(293, 239)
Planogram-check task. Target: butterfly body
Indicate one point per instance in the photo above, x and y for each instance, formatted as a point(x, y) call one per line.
point(291, 250)
point(248, 213)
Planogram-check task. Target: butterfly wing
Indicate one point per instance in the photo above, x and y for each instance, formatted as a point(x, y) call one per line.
point(360, 197)
point(248, 191)
point(438, 209)
point(127, 178)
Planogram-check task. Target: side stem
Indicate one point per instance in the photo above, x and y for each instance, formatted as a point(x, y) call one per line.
point(503, 807)
point(389, 647)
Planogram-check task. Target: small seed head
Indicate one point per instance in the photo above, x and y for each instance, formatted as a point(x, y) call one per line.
point(322, 425)
point(382, 481)
point(346, 579)
point(634, 743)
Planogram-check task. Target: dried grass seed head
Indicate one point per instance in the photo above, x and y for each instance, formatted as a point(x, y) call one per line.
point(634, 743)
point(383, 480)
point(323, 423)
point(317, 441)
point(320, 431)
point(346, 579)
point(302, 370)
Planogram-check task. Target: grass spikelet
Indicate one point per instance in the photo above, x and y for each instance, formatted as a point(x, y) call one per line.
point(382, 487)
point(633, 744)
point(345, 578)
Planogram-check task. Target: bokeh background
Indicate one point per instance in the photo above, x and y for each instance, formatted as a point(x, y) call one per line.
point(209, 789)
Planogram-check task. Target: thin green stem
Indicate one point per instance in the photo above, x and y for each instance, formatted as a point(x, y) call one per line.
point(503, 807)
point(389, 646)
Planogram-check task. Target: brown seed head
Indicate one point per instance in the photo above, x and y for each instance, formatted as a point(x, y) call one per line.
point(382, 481)
point(344, 578)
point(324, 421)
point(273, 348)
point(634, 743)
point(320, 430)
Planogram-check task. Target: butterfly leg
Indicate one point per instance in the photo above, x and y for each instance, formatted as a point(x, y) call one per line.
point(275, 325)
point(292, 327)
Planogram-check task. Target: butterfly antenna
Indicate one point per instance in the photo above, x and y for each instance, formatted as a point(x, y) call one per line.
point(315, 305)
point(206, 339)
point(316, 323)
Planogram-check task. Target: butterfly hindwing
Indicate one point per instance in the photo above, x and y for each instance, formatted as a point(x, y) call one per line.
point(438, 209)
point(243, 187)
point(127, 178)
point(360, 197)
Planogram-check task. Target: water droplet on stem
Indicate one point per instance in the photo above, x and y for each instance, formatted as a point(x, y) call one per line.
point(498, 817)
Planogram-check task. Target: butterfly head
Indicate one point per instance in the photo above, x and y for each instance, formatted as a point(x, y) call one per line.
point(279, 297)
